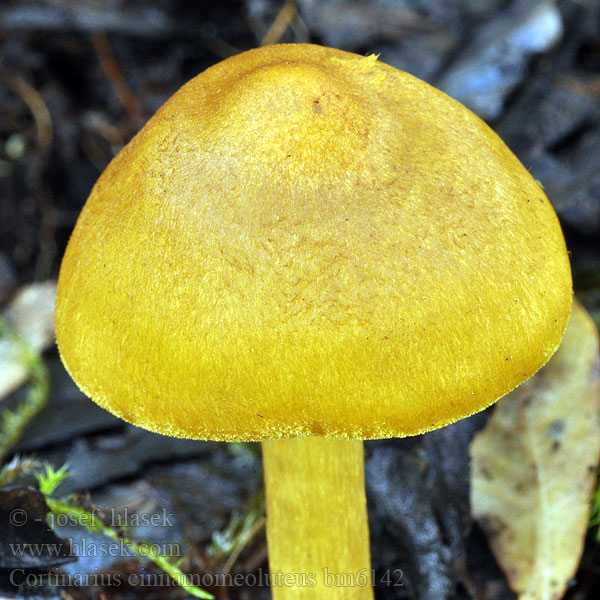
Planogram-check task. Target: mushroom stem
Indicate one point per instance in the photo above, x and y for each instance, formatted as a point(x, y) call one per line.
point(317, 527)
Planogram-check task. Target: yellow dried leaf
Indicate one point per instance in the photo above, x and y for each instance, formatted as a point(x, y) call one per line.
point(534, 467)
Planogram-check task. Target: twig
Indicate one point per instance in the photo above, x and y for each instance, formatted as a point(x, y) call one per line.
point(590, 88)
point(38, 108)
point(115, 76)
point(282, 21)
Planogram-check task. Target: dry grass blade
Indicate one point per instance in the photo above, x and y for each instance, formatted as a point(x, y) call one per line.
point(35, 102)
point(114, 74)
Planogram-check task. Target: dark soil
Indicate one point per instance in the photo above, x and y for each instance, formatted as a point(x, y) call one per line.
point(79, 78)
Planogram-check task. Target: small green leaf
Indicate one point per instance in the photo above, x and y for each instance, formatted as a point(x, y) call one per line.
point(50, 479)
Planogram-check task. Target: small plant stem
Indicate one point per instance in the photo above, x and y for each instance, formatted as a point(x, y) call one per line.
point(141, 549)
point(14, 422)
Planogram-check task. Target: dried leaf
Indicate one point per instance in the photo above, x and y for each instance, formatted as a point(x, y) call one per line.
point(31, 316)
point(534, 467)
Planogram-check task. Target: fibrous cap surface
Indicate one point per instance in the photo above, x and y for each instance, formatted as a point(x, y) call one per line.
point(304, 241)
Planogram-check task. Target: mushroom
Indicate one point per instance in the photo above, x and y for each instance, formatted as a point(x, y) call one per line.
point(310, 248)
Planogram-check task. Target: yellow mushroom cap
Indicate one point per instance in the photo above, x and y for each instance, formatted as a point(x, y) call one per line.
point(303, 241)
